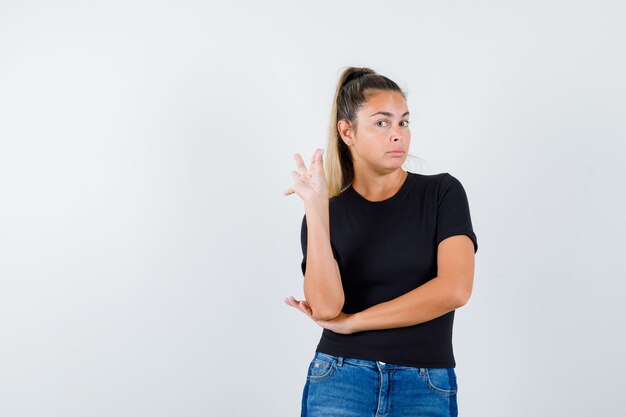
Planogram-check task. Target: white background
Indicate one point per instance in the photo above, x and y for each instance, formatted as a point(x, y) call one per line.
point(146, 246)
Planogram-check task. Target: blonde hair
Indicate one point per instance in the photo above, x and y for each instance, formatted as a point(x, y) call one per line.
point(353, 88)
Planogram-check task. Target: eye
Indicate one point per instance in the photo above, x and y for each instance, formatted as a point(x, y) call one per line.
point(382, 121)
point(407, 122)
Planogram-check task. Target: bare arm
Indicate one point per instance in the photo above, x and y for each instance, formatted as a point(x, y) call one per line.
point(446, 292)
point(449, 290)
point(323, 289)
point(322, 281)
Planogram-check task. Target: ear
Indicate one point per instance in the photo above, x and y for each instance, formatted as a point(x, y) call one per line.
point(345, 131)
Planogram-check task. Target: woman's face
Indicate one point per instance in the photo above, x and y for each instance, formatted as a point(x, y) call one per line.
point(383, 136)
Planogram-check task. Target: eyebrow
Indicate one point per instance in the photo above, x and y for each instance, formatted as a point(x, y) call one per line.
point(386, 113)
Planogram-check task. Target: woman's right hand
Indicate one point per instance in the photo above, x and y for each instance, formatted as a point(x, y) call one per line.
point(310, 184)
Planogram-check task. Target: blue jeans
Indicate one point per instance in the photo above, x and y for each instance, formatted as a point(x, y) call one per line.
point(347, 387)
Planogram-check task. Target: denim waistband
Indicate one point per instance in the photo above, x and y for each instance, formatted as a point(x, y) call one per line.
point(365, 362)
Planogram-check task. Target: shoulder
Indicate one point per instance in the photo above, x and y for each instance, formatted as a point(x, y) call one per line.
point(450, 191)
point(446, 181)
point(430, 182)
point(428, 177)
point(443, 186)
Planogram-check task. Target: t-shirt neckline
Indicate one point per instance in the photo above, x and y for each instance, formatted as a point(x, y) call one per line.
point(386, 202)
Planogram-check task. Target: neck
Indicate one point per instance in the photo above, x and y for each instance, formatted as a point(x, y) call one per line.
point(376, 187)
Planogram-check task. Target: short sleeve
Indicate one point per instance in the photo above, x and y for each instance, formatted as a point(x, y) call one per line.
point(303, 242)
point(453, 213)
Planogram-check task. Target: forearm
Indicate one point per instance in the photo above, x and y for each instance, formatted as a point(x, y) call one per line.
point(323, 289)
point(426, 302)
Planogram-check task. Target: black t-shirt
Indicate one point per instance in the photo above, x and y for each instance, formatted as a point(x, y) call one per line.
point(387, 248)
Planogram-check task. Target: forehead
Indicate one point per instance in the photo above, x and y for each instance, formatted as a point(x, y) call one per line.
point(385, 101)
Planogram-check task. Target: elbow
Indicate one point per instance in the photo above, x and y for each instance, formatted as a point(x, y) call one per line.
point(324, 304)
point(463, 296)
point(326, 313)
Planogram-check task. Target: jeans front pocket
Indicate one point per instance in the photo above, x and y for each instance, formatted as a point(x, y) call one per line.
point(441, 380)
point(321, 367)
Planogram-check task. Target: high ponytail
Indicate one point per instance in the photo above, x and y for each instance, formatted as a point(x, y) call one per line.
point(351, 93)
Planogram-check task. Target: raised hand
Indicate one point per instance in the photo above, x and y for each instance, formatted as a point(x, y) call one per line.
point(309, 184)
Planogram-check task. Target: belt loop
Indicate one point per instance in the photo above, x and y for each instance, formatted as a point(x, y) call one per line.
point(339, 360)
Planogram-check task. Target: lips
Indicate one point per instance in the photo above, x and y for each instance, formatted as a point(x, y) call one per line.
point(397, 151)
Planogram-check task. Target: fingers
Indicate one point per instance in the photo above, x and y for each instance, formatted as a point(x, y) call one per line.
point(300, 163)
point(317, 157)
point(297, 183)
point(292, 189)
point(303, 308)
point(316, 160)
point(304, 175)
point(300, 305)
point(292, 302)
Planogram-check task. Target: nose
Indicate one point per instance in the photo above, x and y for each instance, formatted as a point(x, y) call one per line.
point(397, 134)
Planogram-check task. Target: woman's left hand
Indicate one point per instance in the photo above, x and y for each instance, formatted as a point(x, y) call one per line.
point(341, 324)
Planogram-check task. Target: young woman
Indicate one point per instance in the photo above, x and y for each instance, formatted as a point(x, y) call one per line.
point(388, 255)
